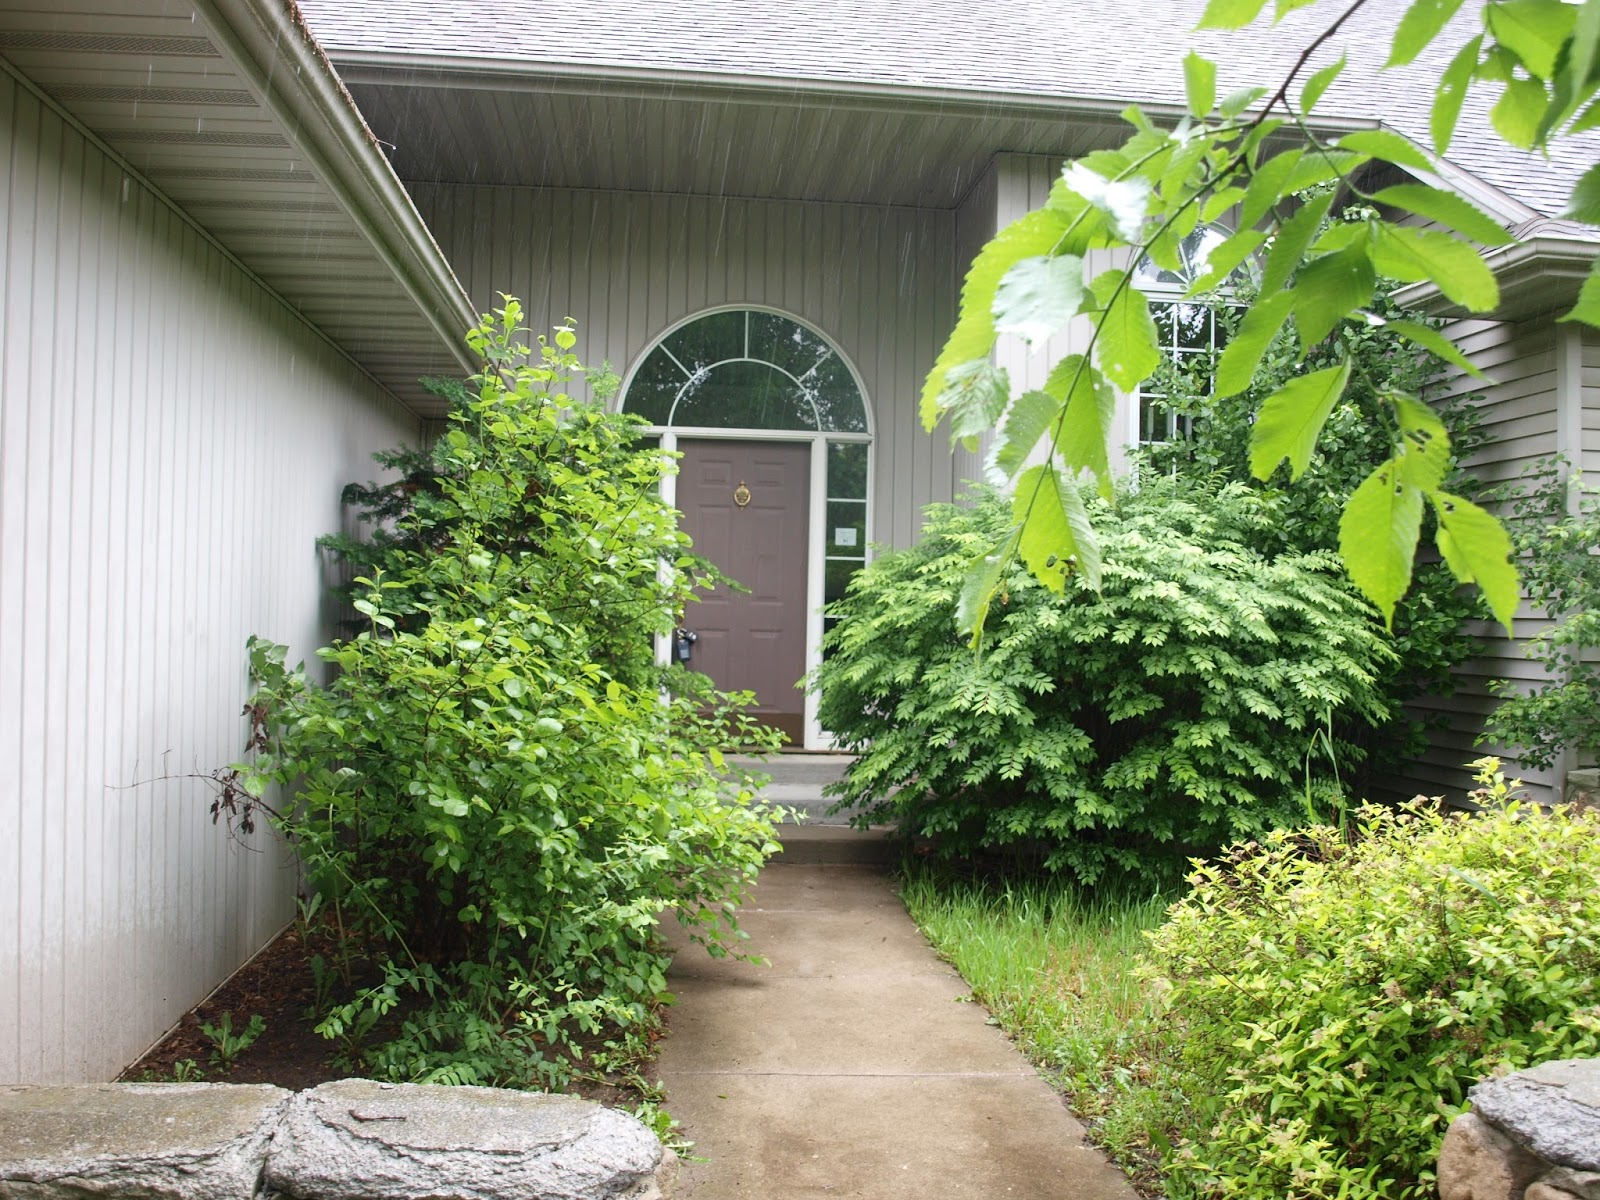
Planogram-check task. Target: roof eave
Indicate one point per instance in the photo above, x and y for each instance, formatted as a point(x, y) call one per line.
point(272, 46)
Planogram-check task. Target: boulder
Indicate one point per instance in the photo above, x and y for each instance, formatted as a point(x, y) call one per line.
point(161, 1141)
point(361, 1140)
point(1478, 1162)
point(1553, 1110)
point(1583, 1184)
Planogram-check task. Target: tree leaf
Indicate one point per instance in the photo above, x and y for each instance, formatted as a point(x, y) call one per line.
point(1518, 112)
point(1025, 423)
point(975, 395)
point(1329, 289)
point(1126, 348)
point(1424, 459)
point(1585, 203)
point(1446, 208)
point(1378, 537)
point(1038, 296)
point(1533, 30)
point(1200, 83)
point(1242, 354)
point(977, 590)
point(1125, 201)
point(1056, 536)
point(1478, 550)
point(1452, 94)
point(1267, 186)
point(1230, 14)
point(1035, 233)
point(1291, 418)
point(1088, 410)
point(1587, 309)
point(1220, 202)
point(1389, 146)
point(1235, 103)
point(1320, 83)
point(1585, 51)
point(1322, 166)
point(1421, 24)
point(1411, 255)
point(1290, 242)
point(1436, 343)
point(1224, 259)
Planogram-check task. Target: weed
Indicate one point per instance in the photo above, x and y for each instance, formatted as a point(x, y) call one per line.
point(226, 1045)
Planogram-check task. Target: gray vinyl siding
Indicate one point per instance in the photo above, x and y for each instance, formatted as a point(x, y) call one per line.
point(172, 441)
point(1519, 409)
point(627, 266)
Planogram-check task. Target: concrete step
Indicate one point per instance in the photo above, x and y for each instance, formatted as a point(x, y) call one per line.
point(836, 844)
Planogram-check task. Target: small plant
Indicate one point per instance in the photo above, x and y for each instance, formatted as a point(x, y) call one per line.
point(667, 1128)
point(226, 1044)
point(186, 1070)
point(1336, 998)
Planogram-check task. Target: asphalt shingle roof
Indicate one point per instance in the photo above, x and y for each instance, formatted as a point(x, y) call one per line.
point(1114, 50)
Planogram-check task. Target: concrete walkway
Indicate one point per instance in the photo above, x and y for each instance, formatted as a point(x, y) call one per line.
point(856, 1064)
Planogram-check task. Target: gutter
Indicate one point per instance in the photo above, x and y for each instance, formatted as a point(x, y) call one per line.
point(272, 47)
point(520, 74)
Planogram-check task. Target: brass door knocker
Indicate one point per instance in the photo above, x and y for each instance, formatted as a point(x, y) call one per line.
point(741, 494)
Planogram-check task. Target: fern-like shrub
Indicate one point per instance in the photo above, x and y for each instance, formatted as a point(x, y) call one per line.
point(1184, 706)
point(1335, 998)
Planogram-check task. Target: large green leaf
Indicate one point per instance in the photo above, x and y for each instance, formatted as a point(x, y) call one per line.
point(1088, 410)
point(1585, 203)
point(1378, 537)
point(1125, 202)
point(1290, 243)
point(1424, 458)
point(1448, 209)
point(975, 395)
point(1200, 82)
point(1039, 295)
point(1478, 550)
point(1057, 537)
point(1242, 355)
point(1224, 259)
point(1517, 114)
point(977, 590)
point(1452, 94)
point(1584, 55)
point(1126, 347)
point(1319, 83)
point(1533, 30)
point(1025, 423)
point(1230, 14)
point(1587, 309)
point(1292, 417)
point(1436, 343)
point(1267, 186)
point(1389, 146)
point(1329, 289)
point(1410, 255)
point(1421, 24)
point(1035, 233)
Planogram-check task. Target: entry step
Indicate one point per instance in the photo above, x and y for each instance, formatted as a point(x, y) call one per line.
point(806, 845)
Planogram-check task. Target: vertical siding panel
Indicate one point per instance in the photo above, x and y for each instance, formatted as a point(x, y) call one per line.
point(171, 443)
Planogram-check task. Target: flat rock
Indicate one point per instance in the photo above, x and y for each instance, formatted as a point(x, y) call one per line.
point(361, 1140)
point(1552, 1109)
point(164, 1141)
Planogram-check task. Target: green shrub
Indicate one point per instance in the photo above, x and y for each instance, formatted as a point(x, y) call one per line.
point(490, 787)
point(1182, 707)
point(1336, 999)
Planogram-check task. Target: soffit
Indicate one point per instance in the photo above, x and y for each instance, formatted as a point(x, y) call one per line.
point(507, 132)
point(153, 83)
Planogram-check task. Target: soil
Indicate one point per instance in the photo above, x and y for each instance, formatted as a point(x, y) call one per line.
point(277, 985)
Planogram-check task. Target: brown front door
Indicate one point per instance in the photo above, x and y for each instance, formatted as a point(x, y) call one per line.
point(751, 641)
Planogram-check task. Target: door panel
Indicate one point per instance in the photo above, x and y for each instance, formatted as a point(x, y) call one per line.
point(753, 641)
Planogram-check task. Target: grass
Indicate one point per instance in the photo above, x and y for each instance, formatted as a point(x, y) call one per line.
point(1058, 971)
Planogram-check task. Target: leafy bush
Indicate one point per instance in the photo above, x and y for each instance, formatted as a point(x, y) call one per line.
point(1555, 525)
point(1428, 635)
point(1336, 999)
point(1184, 706)
point(490, 787)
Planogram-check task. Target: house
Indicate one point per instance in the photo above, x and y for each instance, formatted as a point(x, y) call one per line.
point(234, 233)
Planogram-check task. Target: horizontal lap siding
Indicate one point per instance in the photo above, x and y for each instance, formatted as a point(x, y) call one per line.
point(1517, 407)
point(628, 265)
point(172, 441)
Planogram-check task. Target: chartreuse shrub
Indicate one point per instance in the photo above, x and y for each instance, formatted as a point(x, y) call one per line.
point(1335, 998)
point(1184, 705)
point(491, 787)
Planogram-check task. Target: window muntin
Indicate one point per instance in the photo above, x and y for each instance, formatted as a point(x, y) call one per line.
point(747, 369)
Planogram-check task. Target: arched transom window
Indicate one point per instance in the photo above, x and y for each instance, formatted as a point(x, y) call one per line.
point(747, 369)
